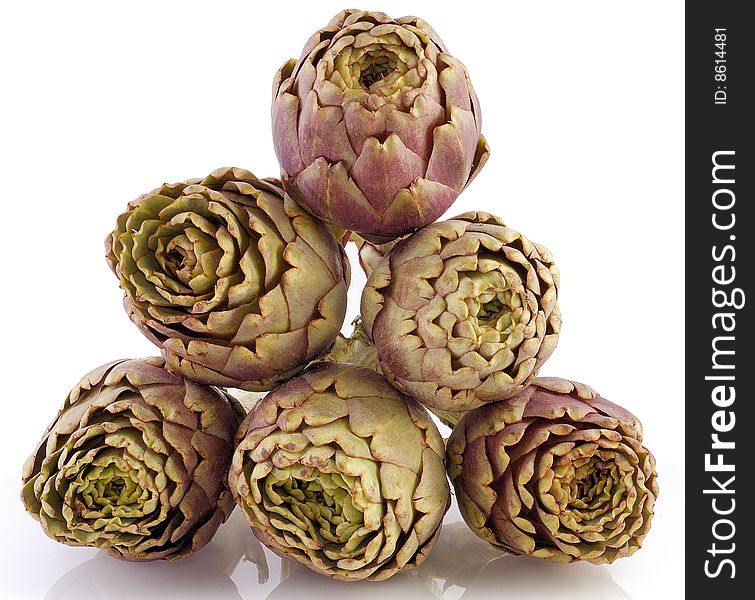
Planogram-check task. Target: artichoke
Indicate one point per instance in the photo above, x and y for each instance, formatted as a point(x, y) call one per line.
point(376, 127)
point(135, 463)
point(236, 284)
point(463, 312)
point(556, 472)
point(339, 471)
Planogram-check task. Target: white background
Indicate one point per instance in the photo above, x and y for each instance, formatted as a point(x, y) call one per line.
point(583, 108)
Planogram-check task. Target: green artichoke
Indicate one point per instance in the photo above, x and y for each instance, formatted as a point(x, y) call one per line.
point(339, 471)
point(135, 463)
point(556, 472)
point(376, 126)
point(235, 283)
point(463, 312)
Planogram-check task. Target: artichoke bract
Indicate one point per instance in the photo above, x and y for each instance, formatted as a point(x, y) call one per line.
point(235, 283)
point(376, 126)
point(339, 471)
point(371, 254)
point(556, 472)
point(463, 312)
point(135, 463)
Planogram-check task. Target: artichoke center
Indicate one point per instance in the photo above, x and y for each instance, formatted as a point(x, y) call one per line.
point(487, 312)
point(181, 258)
point(590, 486)
point(177, 257)
point(373, 73)
point(114, 488)
point(374, 67)
point(111, 487)
point(495, 311)
point(317, 503)
point(496, 315)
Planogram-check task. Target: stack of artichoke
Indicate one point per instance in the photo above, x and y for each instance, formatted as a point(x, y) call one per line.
point(241, 282)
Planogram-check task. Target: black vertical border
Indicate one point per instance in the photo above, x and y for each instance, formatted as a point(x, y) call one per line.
point(711, 127)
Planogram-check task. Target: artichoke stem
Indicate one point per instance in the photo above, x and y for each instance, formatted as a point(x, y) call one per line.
point(370, 254)
point(356, 349)
point(248, 400)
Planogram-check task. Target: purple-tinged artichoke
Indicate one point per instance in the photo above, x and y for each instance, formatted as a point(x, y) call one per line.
point(463, 312)
point(235, 283)
point(135, 463)
point(556, 472)
point(339, 471)
point(376, 126)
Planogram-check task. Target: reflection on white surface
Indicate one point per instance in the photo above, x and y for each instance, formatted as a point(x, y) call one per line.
point(460, 566)
point(456, 559)
point(203, 575)
point(464, 566)
point(518, 578)
point(302, 583)
point(235, 565)
point(101, 578)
